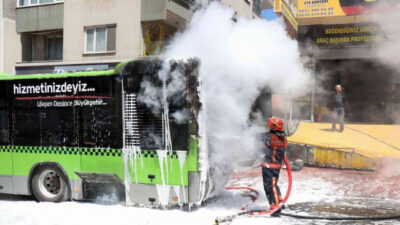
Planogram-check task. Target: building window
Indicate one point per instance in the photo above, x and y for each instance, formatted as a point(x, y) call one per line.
point(100, 39)
point(36, 2)
point(54, 48)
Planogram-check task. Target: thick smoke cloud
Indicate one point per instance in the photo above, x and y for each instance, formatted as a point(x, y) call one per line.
point(237, 60)
point(388, 53)
point(388, 50)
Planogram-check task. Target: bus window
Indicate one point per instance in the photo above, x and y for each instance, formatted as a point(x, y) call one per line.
point(42, 121)
point(3, 123)
point(26, 127)
point(179, 135)
point(150, 128)
point(100, 122)
point(57, 127)
point(4, 135)
point(96, 126)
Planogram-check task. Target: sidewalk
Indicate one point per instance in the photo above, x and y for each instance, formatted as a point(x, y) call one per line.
point(361, 143)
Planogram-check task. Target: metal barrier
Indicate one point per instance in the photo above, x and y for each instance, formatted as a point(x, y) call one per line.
point(331, 157)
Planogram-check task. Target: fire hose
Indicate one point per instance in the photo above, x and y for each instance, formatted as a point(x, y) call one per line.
point(258, 212)
point(266, 212)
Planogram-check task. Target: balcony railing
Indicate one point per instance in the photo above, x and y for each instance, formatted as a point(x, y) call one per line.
point(27, 3)
point(184, 3)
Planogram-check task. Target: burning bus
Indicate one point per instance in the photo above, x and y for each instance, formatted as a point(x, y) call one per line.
point(87, 134)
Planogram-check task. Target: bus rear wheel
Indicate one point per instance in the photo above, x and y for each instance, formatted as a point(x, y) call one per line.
point(49, 184)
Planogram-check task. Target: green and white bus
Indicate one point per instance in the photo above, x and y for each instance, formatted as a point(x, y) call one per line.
point(83, 135)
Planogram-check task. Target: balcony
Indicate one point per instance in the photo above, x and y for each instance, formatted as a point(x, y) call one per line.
point(173, 12)
point(160, 20)
point(43, 46)
point(39, 17)
point(185, 3)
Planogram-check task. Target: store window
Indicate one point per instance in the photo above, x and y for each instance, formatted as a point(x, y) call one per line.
point(100, 39)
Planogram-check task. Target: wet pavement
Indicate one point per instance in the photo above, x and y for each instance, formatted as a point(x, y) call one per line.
point(321, 192)
point(372, 208)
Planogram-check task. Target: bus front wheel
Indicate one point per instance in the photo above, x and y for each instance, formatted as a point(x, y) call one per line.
point(49, 184)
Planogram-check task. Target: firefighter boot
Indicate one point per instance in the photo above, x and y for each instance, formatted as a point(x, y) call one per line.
point(277, 213)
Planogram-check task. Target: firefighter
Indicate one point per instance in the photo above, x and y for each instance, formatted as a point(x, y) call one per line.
point(275, 146)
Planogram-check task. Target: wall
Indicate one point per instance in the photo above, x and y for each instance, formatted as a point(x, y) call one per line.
point(40, 18)
point(241, 7)
point(10, 45)
point(79, 14)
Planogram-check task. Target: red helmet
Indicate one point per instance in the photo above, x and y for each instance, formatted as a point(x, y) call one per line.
point(275, 123)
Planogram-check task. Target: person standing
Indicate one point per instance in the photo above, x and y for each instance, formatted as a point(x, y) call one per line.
point(338, 109)
point(275, 146)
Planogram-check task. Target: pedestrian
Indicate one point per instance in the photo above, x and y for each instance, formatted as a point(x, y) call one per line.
point(275, 146)
point(338, 109)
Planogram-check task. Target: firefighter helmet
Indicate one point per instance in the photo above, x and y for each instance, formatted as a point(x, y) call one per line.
point(275, 123)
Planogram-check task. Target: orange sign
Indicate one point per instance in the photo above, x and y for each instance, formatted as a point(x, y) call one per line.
point(326, 8)
point(319, 8)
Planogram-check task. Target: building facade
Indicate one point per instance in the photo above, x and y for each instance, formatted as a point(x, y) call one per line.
point(9, 38)
point(340, 42)
point(66, 36)
point(75, 35)
point(244, 8)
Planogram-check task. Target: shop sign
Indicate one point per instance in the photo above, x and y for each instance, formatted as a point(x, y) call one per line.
point(287, 11)
point(360, 34)
point(328, 8)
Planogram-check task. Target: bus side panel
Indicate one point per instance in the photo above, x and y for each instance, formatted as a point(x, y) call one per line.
point(105, 161)
point(6, 168)
point(44, 127)
point(101, 127)
point(148, 171)
point(26, 157)
point(74, 122)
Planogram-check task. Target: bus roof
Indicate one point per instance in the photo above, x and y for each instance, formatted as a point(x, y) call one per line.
point(5, 76)
point(57, 75)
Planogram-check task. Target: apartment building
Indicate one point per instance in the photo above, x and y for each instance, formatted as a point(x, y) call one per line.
point(75, 35)
point(9, 38)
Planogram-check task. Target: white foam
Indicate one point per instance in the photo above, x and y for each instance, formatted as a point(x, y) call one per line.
point(182, 159)
point(177, 190)
point(162, 157)
point(163, 192)
point(127, 177)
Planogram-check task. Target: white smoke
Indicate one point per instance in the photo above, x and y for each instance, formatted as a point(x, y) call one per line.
point(237, 60)
point(173, 90)
point(388, 50)
point(199, 4)
point(151, 95)
point(388, 53)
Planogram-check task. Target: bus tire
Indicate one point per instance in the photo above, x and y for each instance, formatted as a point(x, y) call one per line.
point(49, 184)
